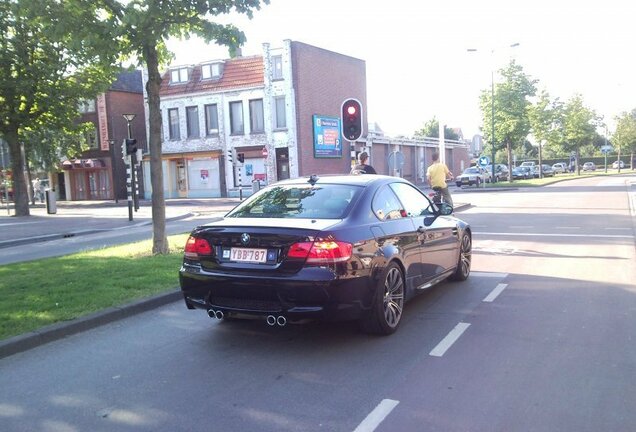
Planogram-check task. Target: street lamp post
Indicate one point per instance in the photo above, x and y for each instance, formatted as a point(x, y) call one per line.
point(492, 121)
point(130, 177)
point(492, 105)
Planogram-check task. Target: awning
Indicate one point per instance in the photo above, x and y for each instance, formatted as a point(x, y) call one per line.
point(83, 164)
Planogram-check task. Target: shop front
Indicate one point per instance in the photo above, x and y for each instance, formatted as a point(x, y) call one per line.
point(88, 179)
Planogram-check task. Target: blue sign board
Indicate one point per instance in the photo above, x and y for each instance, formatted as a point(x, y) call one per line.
point(327, 139)
point(483, 161)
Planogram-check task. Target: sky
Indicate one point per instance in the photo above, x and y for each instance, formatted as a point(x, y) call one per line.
point(417, 59)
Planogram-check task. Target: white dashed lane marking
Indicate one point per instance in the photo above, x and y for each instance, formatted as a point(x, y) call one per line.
point(449, 340)
point(495, 293)
point(375, 417)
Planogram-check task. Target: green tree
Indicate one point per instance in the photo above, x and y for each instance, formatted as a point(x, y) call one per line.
point(625, 136)
point(579, 127)
point(545, 122)
point(431, 130)
point(511, 102)
point(52, 55)
point(143, 27)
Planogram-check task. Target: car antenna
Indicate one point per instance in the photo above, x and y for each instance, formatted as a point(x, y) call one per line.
point(312, 179)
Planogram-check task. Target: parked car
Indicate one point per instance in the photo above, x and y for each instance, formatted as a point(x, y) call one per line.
point(560, 167)
point(522, 173)
point(501, 171)
point(530, 164)
point(589, 166)
point(546, 170)
point(472, 176)
point(616, 164)
point(329, 247)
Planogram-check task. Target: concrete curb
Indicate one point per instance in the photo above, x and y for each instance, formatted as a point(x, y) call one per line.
point(61, 330)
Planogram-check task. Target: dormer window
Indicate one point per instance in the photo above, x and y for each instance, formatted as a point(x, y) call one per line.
point(179, 75)
point(211, 71)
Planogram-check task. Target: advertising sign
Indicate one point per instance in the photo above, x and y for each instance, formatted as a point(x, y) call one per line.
point(327, 139)
point(103, 122)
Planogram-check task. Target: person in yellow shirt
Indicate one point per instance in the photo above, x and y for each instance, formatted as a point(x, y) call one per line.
point(436, 174)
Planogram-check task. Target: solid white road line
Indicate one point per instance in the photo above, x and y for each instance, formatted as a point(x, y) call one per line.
point(494, 293)
point(376, 416)
point(449, 340)
point(488, 274)
point(568, 227)
point(553, 235)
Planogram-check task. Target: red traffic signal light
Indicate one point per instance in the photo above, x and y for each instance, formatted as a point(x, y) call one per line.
point(351, 119)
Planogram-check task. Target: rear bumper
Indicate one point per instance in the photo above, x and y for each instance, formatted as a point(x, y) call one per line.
point(313, 293)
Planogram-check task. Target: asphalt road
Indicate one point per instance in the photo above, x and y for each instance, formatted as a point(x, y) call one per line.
point(539, 338)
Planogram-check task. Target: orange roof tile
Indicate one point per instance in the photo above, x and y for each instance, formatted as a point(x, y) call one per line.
point(242, 72)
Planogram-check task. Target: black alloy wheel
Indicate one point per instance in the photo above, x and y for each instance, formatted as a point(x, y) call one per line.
point(385, 314)
point(463, 262)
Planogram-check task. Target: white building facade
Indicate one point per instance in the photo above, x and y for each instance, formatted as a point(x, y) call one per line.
point(218, 112)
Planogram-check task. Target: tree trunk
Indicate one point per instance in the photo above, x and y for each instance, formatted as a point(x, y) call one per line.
point(159, 239)
point(20, 191)
point(509, 154)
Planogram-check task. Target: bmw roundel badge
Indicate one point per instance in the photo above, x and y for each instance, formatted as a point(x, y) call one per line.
point(245, 238)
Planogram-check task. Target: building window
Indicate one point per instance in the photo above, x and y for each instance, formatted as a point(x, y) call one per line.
point(211, 71)
point(236, 118)
point(179, 75)
point(86, 106)
point(257, 124)
point(277, 67)
point(173, 123)
point(192, 119)
point(91, 137)
point(280, 116)
point(211, 120)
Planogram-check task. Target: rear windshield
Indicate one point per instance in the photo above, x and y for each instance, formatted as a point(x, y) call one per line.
point(325, 201)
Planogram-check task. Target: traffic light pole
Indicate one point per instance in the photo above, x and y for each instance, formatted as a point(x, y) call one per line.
point(130, 170)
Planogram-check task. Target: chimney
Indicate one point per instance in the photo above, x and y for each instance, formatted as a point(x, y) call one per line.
point(235, 52)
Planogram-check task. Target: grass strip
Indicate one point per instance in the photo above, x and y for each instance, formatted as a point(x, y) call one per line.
point(37, 293)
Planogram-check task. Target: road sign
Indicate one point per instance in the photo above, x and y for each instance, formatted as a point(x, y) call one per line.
point(606, 148)
point(483, 161)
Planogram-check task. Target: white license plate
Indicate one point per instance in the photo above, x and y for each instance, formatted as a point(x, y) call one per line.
point(248, 255)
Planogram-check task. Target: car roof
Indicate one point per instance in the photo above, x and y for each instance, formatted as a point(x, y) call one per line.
point(352, 179)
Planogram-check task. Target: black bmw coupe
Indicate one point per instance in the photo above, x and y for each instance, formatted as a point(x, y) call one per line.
point(330, 247)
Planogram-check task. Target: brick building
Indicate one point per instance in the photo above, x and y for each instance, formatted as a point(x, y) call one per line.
point(99, 173)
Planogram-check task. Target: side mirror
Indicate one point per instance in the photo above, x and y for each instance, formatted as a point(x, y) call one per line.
point(445, 209)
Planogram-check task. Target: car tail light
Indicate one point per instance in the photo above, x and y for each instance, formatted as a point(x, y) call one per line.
point(321, 252)
point(196, 246)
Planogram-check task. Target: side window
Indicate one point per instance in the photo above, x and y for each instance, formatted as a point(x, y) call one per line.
point(385, 204)
point(415, 202)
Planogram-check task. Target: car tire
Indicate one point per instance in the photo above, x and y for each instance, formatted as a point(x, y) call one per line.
point(385, 314)
point(464, 260)
point(477, 182)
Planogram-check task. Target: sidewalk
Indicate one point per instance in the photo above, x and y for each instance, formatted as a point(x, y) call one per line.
point(74, 218)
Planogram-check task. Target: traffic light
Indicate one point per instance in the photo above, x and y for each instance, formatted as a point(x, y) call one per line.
point(241, 157)
point(351, 119)
point(131, 145)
